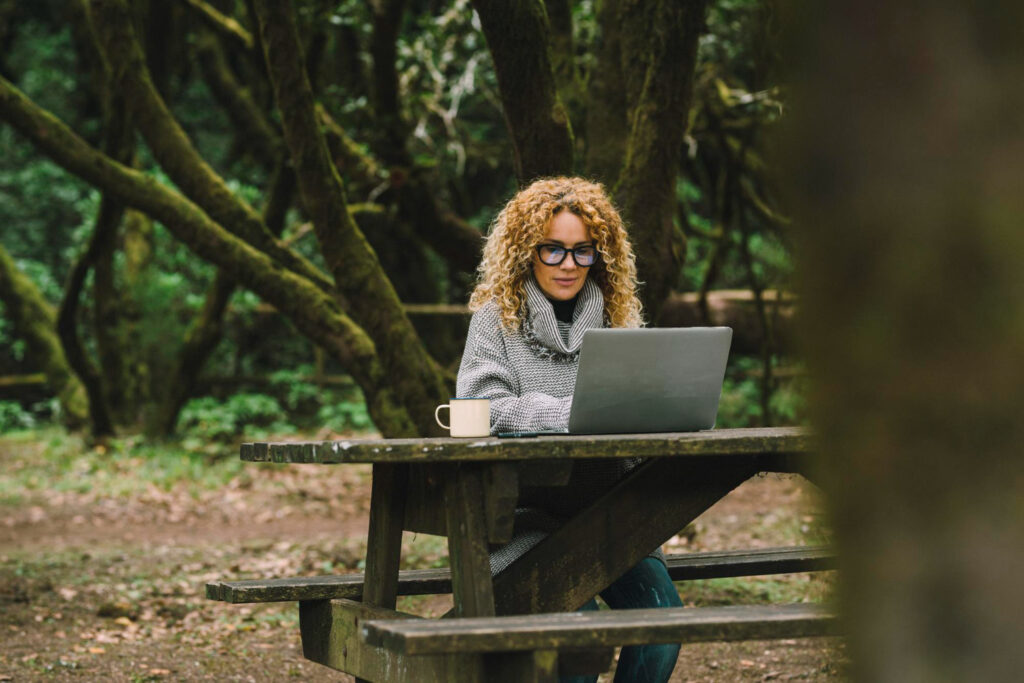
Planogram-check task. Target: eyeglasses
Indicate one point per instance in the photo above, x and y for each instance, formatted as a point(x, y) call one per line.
point(553, 255)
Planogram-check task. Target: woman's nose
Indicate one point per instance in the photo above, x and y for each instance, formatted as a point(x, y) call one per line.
point(569, 263)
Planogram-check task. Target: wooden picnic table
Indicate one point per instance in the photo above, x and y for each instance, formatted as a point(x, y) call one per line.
point(466, 489)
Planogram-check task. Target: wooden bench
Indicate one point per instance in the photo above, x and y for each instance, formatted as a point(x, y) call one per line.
point(681, 567)
point(530, 647)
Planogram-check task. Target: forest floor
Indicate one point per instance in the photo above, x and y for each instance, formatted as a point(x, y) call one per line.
point(105, 551)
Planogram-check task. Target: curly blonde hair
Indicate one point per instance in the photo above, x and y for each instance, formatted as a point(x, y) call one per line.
point(520, 227)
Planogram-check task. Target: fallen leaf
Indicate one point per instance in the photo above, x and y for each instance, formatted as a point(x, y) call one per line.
point(97, 650)
point(746, 662)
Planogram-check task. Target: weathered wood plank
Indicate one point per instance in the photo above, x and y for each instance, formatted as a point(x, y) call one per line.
point(501, 492)
point(716, 442)
point(472, 592)
point(605, 628)
point(759, 562)
point(384, 548)
point(681, 567)
point(616, 531)
point(424, 507)
point(331, 636)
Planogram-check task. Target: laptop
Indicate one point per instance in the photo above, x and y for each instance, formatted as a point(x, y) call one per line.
point(634, 381)
point(649, 380)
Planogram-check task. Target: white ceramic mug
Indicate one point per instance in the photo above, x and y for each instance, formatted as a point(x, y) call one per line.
point(469, 417)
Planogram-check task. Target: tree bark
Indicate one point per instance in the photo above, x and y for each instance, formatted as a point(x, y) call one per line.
point(606, 113)
point(35, 321)
point(907, 151)
point(259, 135)
point(518, 35)
point(100, 422)
point(659, 53)
point(387, 21)
point(414, 376)
point(563, 63)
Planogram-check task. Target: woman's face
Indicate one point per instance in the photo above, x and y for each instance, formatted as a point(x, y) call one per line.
point(563, 281)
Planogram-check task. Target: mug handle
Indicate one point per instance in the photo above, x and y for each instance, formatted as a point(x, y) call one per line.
point(437, 418)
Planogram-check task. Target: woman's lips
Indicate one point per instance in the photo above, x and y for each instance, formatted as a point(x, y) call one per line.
point(565, 282)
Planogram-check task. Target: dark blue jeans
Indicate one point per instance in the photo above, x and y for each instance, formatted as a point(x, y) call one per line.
point(645, 585)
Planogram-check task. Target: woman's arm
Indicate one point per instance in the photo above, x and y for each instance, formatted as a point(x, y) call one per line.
point(485, 372)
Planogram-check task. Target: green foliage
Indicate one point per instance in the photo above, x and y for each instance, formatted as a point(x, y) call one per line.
point(345, 416)
point(14, 418)
point(740, 405)
point(254, 415)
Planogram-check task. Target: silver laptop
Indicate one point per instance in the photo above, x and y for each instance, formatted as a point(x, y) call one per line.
point(649, 380)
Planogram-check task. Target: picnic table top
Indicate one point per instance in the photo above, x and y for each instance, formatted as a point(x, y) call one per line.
point(714, 442)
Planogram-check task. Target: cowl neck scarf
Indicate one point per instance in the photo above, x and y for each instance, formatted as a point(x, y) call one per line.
point(540, 326)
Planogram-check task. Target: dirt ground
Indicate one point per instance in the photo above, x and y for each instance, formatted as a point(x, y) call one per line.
point(95, 585)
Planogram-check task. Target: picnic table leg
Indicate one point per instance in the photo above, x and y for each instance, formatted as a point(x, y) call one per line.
point(384, 543)
point(466, 516)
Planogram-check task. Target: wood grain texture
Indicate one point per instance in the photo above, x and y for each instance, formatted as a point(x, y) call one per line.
point(472, 591)
point(605, 628)
point(780, 441)
point(384, 545)
point(606, 539)
point(681, 567)
point(331, 635)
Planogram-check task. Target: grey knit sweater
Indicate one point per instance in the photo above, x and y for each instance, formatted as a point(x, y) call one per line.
point(529, 375)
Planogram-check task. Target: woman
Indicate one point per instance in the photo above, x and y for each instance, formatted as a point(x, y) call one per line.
point(558, 262)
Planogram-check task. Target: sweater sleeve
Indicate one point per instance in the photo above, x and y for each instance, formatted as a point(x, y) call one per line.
point(486, 372)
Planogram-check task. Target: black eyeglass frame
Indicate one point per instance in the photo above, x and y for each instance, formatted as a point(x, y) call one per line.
point(565, 252)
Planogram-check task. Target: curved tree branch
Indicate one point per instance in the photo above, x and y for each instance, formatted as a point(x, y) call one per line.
point(313, 312)
point(225, 26)
point(248, 118)
point(357, 272)
point(172, 148)
point(34, 321)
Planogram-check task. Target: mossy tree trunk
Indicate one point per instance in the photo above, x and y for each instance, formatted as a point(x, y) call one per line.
point(907, 144)
point(606, 114)
point(518, 36)
point(414, 380)
point(34, 321)
point(658, 43)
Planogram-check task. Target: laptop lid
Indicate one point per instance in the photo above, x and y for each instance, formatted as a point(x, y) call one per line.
point(649, 380)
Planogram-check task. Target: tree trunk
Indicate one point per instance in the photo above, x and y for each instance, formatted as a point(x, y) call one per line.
point(659, 53)
point(518, 35)
point(207, 329)
point(907, 145)
point(35, 321)
point(414, 380)
point(606, 113)
point(387, 20)
point(171, 146)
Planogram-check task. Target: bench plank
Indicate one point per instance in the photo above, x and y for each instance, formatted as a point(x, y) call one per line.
point(599, 629)
point(780, 441)
point(681, 567)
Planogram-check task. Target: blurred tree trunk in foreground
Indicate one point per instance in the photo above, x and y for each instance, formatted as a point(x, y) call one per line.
point(909, 153)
